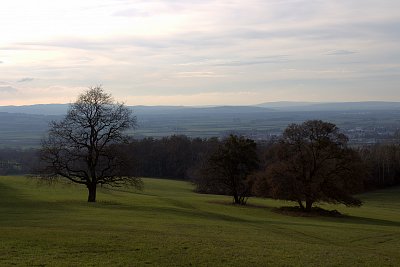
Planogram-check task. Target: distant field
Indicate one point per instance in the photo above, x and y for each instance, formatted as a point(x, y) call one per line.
point(169, 225)
point(26, 130)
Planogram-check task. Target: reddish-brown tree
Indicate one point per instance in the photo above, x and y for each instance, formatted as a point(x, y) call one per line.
point(312, 163)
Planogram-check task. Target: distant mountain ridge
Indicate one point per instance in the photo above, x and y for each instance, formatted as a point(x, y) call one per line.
point(38, 109)
point(60, 109)
point(332, 106)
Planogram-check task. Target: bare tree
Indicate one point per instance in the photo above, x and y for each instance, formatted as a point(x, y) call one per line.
point(82, 146)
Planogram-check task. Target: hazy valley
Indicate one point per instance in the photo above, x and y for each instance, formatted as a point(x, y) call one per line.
point(363, 122)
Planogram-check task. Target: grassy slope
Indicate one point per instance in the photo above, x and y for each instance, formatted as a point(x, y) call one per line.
point(168, 225)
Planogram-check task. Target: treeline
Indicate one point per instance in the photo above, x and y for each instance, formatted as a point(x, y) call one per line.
point(383, 165)
point(178, 157)
point(17, 161)
point(171, 157)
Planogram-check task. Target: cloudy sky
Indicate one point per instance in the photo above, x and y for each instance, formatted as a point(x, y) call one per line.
point(200, 52)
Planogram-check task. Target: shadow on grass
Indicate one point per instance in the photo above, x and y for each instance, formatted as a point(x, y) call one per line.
point(179, 210)
point(314, 212)
point(367, 221)
point(230, 203)
point(115, 190)
point(330, 216)
point(334, 214)
point(17, 206)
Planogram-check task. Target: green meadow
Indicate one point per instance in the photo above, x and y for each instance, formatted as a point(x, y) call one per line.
point(167, 224)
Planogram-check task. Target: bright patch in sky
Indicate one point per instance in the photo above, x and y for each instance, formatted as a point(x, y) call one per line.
point(192, 52)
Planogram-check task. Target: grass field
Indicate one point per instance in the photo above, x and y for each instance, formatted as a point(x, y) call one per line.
point(169, 225)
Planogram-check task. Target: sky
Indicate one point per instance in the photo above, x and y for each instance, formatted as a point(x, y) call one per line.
point(200, 52)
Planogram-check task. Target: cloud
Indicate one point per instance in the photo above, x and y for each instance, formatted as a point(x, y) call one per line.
point(8, 89)
point(106, 43)
point(198, 74)
point(172, 47)
point(340, 53)
point(158, 7)
point(74, 42)
point(207, 98)
point(131, 13)
point(255, 61)
point(27, 79)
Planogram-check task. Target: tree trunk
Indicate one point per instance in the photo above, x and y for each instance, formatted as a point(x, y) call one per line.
point(236, 199)
point(92, 193)
point(301, 204)
point(308, 205)
point(243, 200)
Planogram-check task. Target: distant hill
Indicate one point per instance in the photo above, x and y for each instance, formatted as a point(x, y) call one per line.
point(284, 104)
point(332, 106)
point(61, 109)
point(23, 130)
point(175, 110)
point(39, 109)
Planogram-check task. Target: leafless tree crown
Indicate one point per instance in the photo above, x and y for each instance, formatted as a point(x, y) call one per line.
point(81, 146)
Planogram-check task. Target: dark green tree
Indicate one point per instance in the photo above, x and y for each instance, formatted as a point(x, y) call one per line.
point(227, 168)
point(81, 147)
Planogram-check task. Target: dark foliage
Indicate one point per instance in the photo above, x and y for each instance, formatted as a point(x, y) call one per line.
point(169, 157)
point(226, 170)
point(383, 163)
point(17, 161)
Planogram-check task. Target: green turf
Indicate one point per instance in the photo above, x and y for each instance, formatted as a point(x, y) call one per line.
point(169, 225)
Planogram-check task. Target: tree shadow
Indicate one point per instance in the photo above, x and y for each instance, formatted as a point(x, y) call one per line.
point(367, 221)
point(129, 190)
point(327, 215)
point(335, 216)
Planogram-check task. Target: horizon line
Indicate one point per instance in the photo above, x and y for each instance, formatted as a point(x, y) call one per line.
point(226, 105)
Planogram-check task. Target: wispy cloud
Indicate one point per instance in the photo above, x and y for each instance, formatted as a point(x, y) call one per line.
point(340, 53)
point(8, 89)
point(255, 61)
point(132, 12)
point(27, 79)
point(199, 74)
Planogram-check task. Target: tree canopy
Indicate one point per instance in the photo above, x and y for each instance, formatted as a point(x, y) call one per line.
point(227, 168)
